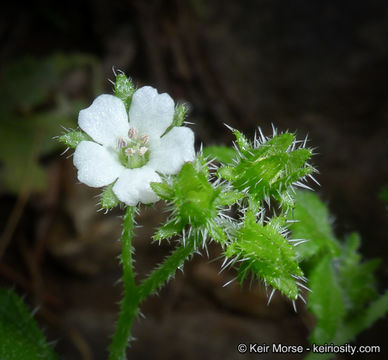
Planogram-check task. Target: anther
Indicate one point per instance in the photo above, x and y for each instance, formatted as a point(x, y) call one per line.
point(132, 133)
point(142, 150)
point(144, 139)
point(130, 152)
point(121, 143)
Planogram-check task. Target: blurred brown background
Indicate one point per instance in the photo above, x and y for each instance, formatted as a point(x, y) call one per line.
point(315, 67)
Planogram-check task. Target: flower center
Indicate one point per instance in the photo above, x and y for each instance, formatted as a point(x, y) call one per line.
point(134, 152)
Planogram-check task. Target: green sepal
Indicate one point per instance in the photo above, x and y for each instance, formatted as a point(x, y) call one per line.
point(168, 230)
point(222, 154)
point(179, 115)
point(227, 173)
point(20, 336)
point(108, 198)
point(242, 141)
point(163, 190)
point(124, 89)
point(216, 233)
point(228, 198)
point(178, 118)
point(195, 196)
point(72, 138)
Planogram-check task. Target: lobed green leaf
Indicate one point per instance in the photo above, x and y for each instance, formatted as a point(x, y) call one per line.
point(325, 301)
point(313, 225)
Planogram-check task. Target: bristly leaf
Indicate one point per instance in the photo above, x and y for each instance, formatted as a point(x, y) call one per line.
point(72, 138)
point(267, 254)
point(124, 89)
point(20, 337)
point(168, 230)
point(313, 225)
point(108, 199)
point(227, 198)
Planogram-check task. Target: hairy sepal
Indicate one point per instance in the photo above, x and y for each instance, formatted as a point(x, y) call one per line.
point(266, 254)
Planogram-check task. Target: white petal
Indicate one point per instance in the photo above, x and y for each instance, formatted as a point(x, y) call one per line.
point(105, 120)
point(172, 151)
point(133, 186)
point(151, 113)
point(96, 165)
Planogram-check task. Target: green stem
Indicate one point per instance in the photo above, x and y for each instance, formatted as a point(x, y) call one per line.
point(165, 270)
point(130, 303)
point(134, 295)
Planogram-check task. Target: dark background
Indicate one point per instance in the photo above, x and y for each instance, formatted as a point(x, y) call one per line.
point(316, 67)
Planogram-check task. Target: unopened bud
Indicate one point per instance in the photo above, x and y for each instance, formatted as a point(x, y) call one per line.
point(132, 133)
point(142, 150)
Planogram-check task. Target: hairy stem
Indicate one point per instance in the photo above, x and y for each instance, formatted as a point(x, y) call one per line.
point(163, 272)
point(134, 295)
point(130, 303)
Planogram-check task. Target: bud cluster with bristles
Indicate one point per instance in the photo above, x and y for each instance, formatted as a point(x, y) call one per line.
point(263, 171)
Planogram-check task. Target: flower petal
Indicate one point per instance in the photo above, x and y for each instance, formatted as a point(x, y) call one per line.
point(151, 113)
point(133, 186)
point(175, 148)
point(105, 120)
point(96, 165)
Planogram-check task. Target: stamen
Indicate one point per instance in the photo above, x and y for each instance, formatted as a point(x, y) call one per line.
point(132, 133)
point(144, 139)
point(121, 143)
point(142, 150)
point(130, 152)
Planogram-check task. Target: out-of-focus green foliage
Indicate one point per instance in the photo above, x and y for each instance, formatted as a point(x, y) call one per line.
point(33, 108)
point(20, 337)
point(383, 195)
point(313, 225)
point(222, 154)
point(343, 295)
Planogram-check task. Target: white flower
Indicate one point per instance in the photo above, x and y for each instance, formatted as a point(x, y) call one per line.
point(131, 150)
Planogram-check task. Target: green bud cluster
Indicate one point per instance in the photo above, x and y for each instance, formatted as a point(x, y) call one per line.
point(229, 208)
point(195, 202)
